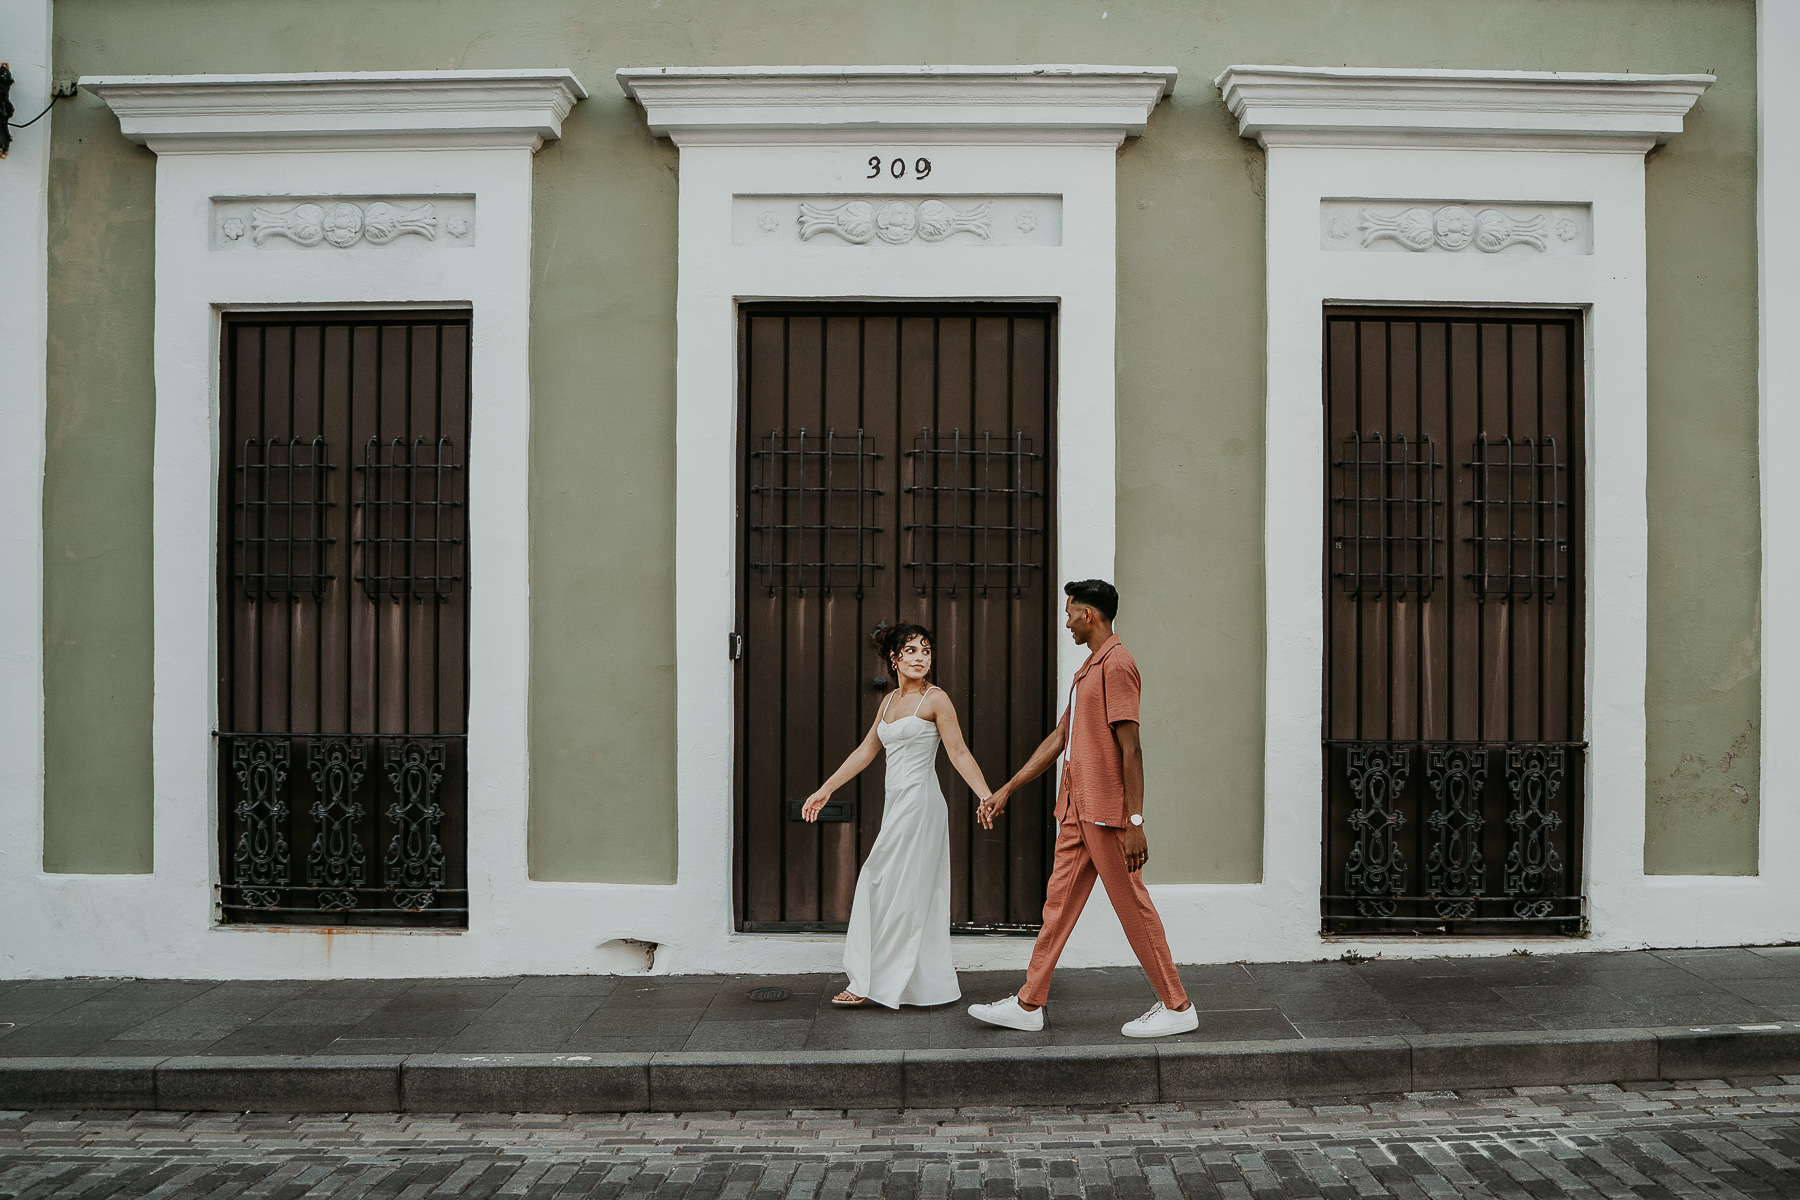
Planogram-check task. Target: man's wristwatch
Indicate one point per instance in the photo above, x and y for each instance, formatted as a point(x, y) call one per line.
point(1137, 818)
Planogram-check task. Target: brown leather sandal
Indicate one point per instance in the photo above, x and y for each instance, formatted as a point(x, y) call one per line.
point(853, 1001)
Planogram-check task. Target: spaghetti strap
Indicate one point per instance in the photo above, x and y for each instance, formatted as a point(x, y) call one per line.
point(921, 704)
point(888, 699)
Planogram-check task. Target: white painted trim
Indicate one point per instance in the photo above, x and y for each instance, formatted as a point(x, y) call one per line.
point(156, 925)
point(396, 110)
point(1778, 274)
point(988, 105)
point(24, 195)
point(1483, 160)
point(802, 134)
point(1298, 106)
point(161, 924)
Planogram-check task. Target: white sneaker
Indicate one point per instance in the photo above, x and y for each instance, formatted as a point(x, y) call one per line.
point(1009, 1014)
point(1161, 1022)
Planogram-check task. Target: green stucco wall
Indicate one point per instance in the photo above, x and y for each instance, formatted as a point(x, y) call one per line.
point(1189, 381)
point(97, 537)
point(602, 510)
point(1703, 686)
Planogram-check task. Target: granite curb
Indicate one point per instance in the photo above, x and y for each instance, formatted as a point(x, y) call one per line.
point(687, 1081)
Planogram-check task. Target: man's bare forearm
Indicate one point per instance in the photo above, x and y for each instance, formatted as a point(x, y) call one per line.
point(1134, 783)
point(1131, 756)
point(1039, 762)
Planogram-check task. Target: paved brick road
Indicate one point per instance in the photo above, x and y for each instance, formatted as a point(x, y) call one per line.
point(1706, 1138)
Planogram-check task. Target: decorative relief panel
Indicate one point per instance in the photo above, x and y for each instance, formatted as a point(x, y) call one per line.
point(342, 223)
point(897, 220)
point(1420, 227)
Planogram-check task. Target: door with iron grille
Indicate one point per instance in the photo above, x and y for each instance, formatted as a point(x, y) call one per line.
point(894, 465)
point(343, 619)
point(1454, 752)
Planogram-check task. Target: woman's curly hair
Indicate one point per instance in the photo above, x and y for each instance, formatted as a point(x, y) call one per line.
point(891, 641)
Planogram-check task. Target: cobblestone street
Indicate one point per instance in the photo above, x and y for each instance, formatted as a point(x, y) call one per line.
point(1702, 1138)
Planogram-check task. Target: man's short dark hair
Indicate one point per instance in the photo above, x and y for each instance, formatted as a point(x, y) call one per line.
point(1097, 594)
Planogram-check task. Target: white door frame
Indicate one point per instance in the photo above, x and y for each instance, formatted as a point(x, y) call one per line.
point(460, 142)
point(1031, 149)
point(1343, 143)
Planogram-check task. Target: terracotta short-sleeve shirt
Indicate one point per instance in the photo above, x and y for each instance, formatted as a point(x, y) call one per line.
point(1107, 690)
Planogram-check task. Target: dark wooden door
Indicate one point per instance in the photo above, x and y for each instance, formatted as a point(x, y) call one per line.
point(894, 465)
point(343, 619)
point(1454, 595)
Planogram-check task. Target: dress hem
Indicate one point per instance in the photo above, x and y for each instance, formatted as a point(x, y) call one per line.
point(899, 1004)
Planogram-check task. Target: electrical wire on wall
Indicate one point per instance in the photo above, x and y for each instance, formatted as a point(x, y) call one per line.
point(6, 107)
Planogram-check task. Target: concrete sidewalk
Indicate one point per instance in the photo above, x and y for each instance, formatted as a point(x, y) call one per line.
point(682, 1043)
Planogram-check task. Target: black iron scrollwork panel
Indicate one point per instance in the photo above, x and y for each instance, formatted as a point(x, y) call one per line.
point(1376, 871)
point(1534, 869)
point(411, 805)
point(261, 861)
point(336, 861)
point(1456, 825)
point(1454, 868)
point(415, 856)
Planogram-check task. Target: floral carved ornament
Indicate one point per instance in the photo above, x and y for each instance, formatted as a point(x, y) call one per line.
point(1453, 227)
point(895, 222)
point(341, 224)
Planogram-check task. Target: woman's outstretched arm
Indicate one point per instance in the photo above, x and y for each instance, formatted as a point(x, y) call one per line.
point(853, 766)
point(944, 713)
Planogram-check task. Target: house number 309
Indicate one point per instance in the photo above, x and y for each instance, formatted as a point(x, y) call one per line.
point(897, 168)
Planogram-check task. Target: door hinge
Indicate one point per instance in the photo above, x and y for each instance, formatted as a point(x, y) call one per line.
point(736, 643)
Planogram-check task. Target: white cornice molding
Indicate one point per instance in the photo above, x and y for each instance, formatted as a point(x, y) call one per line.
point(1516, 109)
point(392, 110)
point(750, 105)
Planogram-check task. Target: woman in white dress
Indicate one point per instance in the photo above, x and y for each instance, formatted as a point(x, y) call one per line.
point(897, 950)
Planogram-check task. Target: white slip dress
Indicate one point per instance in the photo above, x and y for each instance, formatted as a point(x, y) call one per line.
point(897, 950)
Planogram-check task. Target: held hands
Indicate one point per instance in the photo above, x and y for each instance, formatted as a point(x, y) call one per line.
point(992, 806)
point(810, 810)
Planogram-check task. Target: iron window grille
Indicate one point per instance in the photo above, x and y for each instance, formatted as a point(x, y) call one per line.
point(974, 510)
point(1386, 510)
point(281, 502)
point(812, 509)
point(412, 519)
point(341, 828)
point(1521, 544)
point(1458, 810)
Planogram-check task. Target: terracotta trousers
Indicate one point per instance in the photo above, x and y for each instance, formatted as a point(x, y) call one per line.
point(1086, 851)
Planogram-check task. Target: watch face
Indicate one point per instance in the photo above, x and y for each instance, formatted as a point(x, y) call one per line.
point(1136, 819)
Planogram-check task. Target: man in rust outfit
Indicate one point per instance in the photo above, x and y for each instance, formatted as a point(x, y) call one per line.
point(1099, 822)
